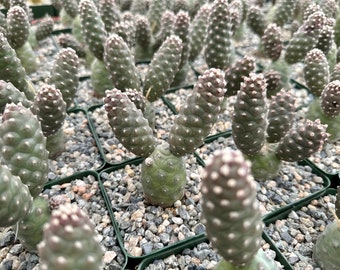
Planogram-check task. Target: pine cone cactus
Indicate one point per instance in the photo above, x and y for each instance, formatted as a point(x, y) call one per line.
point(68, 40)
point(70, 229)
point(196, 118)
point(70, 7)
point(330, 99)
point(16, 200)
point(280, 115)
point(231, 212)
point(128, 123)
point(326, 37)
point(9, 93)
point(271, 42)
point(274, 82)
point(143, 38)
point(167, 22)
point(302, 141)
point(50, 109)
point(284, 12)
point(305, 38)
point(64, 74)
point(197, 31)
point(120, 64)
point(154, 14)
point(163, 68)
point(44, 28)
point(17, 27)
point(235, 74)
point(93, 27)
point(163, 177)
point(218, 51)
point(30, 228)
point(256, 21)
point(316, 71)
point(109, 13)
point(11, 69)
point(249, 118)
point(23, 147)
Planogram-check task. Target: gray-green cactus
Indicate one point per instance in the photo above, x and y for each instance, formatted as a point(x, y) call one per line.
point(23, 147)
point(64, 75)
point(109, 13)
point(16, 199)
point(326, 108)
point(30, 228)
point(10, 94)
point(50, 109)
point(68, 40)
point(70, 241)
point(305, 38)
point(316, 71)
point(154, 14)
point(219, 51)
point(231, 212)
point(163, 169)
point(11, 69)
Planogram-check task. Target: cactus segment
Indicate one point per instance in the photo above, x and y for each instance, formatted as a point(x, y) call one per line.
point(68, 40)
point(197, 116)
point(44, 28)
point(11, 69)
point(23, 147)
point(302, 141)
point(265, 165)
point(235, 74)
point(17, 27)
point(280, 115)
point(327, 247)
point(249, 120)
point(305, 38)
point(326, 37)
point(70, 241)
point(109, 13)
point(64, 74)
point(197, 31)
point(9, 93)
point(167, 22)
point(15, 200)
point(154, 14)
point(163, 68)
point(120, 63)
point(128, 123)
point(316, 71)
point(284, 12)
point(256, 20)
point(271, 42)
point(163, 177)
point(30, 229)
point(274, 82)
point(92, 27)
point(143, 38)
point(330, 99)
point(230, 210)
point(218, 52)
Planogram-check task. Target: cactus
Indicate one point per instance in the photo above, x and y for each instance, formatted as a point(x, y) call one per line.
point(197, 32)
point(256, 20)
point(18, 29)
point(163, 169)
point(163, 68)
point(231, 212)
point(109, 13)
point(154, 14)
point(271, 42)
point(326, 108)
point(70, 241)
point(326, 37)
point(284, 11)
point(23, 147)
point(327, 244)
point(167, 21)
point(219, 51)
point(16, 199)
point(316, 71)
point(43, 29)
point(30, 228)
point(68, 40)
point(50, 109)
point(143, 49)
point(277, 138)
point(64, 74)
point(273, 81)
point(305, 38)
point(10, 94)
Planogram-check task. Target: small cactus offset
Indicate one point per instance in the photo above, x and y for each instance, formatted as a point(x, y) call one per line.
point(316, 71)
point(16, 199)
point(70, 229)
point(11, 69)
point(231, 212)
point(23, 147)
point(327, 246)
point(326, 108)
point(64, 75)
point(163, 68)
point(50, 109)
point(30, 228)
point(218, 52)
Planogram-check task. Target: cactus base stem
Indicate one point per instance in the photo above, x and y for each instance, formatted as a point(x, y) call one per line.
point(55, 144)
point(100, 78)
point(260, 262)
point(28, 58)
